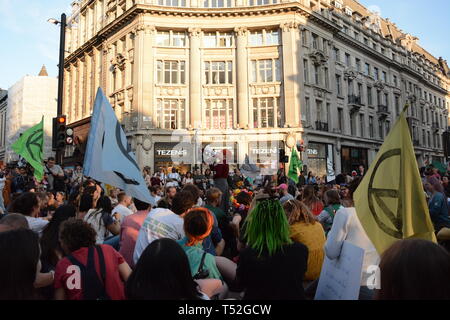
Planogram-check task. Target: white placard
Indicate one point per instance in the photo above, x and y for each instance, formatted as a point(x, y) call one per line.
point(340, 279)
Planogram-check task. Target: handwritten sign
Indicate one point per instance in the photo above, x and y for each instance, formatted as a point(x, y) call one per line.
point(340, 279)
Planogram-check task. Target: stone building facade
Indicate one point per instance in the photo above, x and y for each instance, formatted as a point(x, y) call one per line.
point(251, 75)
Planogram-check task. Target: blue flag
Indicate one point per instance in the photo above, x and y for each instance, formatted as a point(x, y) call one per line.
point(109, 158)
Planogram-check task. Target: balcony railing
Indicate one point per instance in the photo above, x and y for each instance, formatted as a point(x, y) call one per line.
point(321, 126)
point(356, 100)
point(383, 109)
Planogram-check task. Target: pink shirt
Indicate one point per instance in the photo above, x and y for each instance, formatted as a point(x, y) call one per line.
point(129, 232)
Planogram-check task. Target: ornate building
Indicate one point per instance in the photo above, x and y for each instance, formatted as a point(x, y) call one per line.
point(250, 75)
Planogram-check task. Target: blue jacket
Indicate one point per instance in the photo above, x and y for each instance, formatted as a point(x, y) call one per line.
point(439, 211)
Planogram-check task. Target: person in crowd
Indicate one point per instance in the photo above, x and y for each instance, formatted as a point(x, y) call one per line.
point(347, 227)
point(2, 187)
point(19, 264)
point(361, 171)
point(155, 195)
point(426, 278)
point(54, 174)
point(200, 180)
point(60, 198)
point(284, 193)
point(28, 205)
point(214, 243)
point(446, 186)
point(113, 194)
point(237, 179)
point(209, 178)
point(129, 230)
point(147, 176)
point(272, 267)
point(333, 204)
point(311, 179)
point(221, 174)
point(163, 273)
point(166, 202)
point(13, 221)
point(173, 178)
point(306, 230)
point(438, 205)
point(188, 179)
point(50, 246)
point(85, 204)
point(122, 209)
point(43, 205)
point(164, 223)
point(103, 223)
point(51, 251)
point(311, 201)
point(78, 240)
point(198, 224)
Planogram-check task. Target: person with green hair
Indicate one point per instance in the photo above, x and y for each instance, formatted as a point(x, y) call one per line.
point(271, 267)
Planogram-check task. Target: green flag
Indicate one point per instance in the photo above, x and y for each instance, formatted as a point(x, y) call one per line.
point(295, 165)
point(30, 146)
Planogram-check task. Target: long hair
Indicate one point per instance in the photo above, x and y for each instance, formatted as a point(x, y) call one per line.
point(19, 256)
point(415, 269)
point(267, 227)
point(309, 196)
point(50, 235)
point(296, 211)
point(25, 204)
point(162, 273)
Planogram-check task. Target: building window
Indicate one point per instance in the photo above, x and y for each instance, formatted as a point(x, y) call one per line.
point(218, 40)
point(217, 3)
point(266, 70)
point(352, 124)
point(356, 34)
point(264, 38)
point(306, 70)
point(397, 105)
point(325, 46)
point(395, 81)
point(376, 73)
point(386, 100)
point(172, 3)
point(219, 72)
point(326, 77)
point(358, 64)
point(171, 72)
point(339, 85)
point(307, 117)
point(361, 125)
point(219, 114)
point(371, 128)
point(260, 2)
point(383, 76)
point(304, 37)
point(367, 70)
point(171, 39)
point(171, 114)
point(337, 54)
point(388, 127)
point(347, 60)
point(380, 129)
point(341, 119)
point(264, 112)
point(369, 96)
point(316, 75)
point(315, 41)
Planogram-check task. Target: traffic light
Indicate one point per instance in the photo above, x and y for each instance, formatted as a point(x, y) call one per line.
point(59, 132)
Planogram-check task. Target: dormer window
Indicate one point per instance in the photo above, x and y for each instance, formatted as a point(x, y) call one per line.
point(338, 4)
point(348, 11)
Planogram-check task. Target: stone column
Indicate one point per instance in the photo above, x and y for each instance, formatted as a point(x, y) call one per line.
point(242, 77)
point(291, 74)
point(195, 84)
point(143, 75)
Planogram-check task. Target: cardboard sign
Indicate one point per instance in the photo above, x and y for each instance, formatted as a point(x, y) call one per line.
point(340, 279)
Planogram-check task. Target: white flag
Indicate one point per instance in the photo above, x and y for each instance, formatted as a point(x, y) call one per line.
point(108, 157)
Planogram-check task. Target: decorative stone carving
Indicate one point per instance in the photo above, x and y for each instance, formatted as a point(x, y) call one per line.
point(119, 61)
point(350, 74)
point(240, 31)
point(194, 32)
point(379, 85)
point(146, 28)
point(147, 142)
point(288, 26)
point(318, 58)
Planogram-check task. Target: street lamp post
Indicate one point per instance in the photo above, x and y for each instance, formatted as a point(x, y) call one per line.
point(62, 50)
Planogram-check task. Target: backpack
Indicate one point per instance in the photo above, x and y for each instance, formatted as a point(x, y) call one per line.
point(93, 288)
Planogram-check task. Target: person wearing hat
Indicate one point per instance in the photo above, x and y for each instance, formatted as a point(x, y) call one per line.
point(284, 194)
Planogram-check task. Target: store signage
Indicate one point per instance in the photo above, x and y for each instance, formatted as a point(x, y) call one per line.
point(313, 152)
point(170, 153)
point(265, 151)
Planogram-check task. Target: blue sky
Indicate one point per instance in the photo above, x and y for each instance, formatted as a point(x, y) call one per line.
point(27, 40)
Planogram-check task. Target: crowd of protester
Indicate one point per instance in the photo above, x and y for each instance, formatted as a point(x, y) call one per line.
point(211, 234)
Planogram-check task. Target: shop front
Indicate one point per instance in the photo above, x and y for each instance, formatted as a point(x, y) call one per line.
point(170, 155)
point(321, 160)
point(214, 152)
point(352, 158)
point(265, 155)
